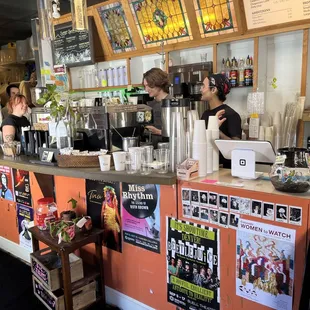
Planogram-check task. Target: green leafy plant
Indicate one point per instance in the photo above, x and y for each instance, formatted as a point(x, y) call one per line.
point(59, 229)
point(57, 109)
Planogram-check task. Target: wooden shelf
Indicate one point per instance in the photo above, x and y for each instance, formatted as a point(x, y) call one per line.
point(104, 88)
point(90, 274)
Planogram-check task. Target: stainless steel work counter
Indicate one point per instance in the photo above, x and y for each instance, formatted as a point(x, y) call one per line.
point(22, 162)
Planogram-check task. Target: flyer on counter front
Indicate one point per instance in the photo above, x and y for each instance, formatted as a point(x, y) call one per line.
point(6, 190)
point(193, 265)
point(103, 206)
point(141, 215)
point(24, 217)
point(265, 264)
point(22, 186)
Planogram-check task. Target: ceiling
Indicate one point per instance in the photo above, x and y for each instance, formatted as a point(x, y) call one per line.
point(16, 15)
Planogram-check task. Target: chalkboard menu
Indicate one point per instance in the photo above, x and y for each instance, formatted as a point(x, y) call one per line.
point(72, 47)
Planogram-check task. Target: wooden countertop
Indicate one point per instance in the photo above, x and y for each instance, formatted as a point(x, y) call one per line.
point(22, 162)
point(224, 178)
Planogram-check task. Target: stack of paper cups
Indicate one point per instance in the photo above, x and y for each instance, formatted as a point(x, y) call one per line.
point(209, 151)
point(216, 155)
point(200, 146)
point(261, 135)
point(269, 134)
point(213, 123)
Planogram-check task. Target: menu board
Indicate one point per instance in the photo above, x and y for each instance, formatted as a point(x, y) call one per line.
point(262, 13)
point(72, 47)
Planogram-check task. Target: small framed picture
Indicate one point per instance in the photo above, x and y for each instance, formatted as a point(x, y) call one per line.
point(194, 196)
point(223, 219)
point(268, 211)
point(195, 211)
point(234, 220)
point(295, 216)
point(214, 216)
point(244, 206)
point(204, 214)
point(203, 198)
point(213, 199)
point(256, 209)
point(187, 210)
point(223, 202)
point(186, 195)
point(282, 213)
point(47, 156)
point(234, 204)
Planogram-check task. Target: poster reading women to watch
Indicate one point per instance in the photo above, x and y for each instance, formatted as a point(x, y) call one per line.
point(22, 186)
point(103, 206)
point(141, 215)
point(265, 264)
point(193, 260)
point(6, 190)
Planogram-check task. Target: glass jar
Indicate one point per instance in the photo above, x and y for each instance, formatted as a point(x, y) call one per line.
point(290, 173)
point(46, 211)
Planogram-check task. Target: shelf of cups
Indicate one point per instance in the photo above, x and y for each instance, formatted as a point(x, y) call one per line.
point(108, 88)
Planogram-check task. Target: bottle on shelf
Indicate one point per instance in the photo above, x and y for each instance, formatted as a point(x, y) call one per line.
point(241, 73)
point(248, 72)
point(227, 68)
point(223, 67)
point(234, 73)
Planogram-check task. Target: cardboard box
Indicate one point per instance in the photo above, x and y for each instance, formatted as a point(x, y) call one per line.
point(188, 170)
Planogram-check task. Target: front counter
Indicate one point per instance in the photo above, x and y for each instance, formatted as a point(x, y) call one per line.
point(232, 244)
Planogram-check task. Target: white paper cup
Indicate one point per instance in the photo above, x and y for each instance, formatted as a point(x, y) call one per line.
point(213, 123)
point(199, 135)
point(105, 162)
point(119, 160)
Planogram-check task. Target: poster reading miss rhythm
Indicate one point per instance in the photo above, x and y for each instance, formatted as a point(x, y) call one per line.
point(193, 273)
point(265, 264)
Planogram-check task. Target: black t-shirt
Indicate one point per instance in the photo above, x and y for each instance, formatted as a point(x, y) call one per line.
point(17, 122)
point(231, 127)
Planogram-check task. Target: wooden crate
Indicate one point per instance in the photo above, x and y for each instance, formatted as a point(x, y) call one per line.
point(46, 266)
point(82, 297)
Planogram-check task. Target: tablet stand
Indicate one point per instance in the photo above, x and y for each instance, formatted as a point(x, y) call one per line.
point(243, 164)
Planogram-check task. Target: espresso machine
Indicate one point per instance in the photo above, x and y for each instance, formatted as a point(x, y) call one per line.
point(186, 82)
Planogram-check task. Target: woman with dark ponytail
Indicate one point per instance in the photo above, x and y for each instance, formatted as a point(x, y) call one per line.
point(214, 90)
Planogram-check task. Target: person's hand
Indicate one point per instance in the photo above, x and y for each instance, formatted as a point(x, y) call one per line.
point(219, 115)
point(153, 130)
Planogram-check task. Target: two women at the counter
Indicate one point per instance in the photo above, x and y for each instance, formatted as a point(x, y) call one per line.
point(214, 90)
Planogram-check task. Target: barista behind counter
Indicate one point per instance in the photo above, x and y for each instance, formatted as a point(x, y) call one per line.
point(214, 90)
point(156, 83)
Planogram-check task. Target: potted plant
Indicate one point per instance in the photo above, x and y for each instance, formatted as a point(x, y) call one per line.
point(64, 230)
point(69, 215)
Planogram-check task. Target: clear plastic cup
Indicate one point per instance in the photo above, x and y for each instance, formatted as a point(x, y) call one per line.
point(146, 159)
point(162, 157)
point(133, 162)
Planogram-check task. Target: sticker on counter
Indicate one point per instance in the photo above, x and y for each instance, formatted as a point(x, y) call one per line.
point(234, 220)
point(141, 215)
point(268, 211)
point(6, 190)
point(295, 215)
point(223, 202)
point(187, 210)
point(203, 198)
point(186, 198)
point(204, 214)
point(234, 204)
point(213, 199)
point(244, 206)
point(223, 219)
point(214, 216)
point(265, 265)
point(193, 265)
point(256, 209)
point(282, 213)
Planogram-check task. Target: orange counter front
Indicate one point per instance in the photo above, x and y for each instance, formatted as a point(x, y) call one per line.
point(141, 274)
